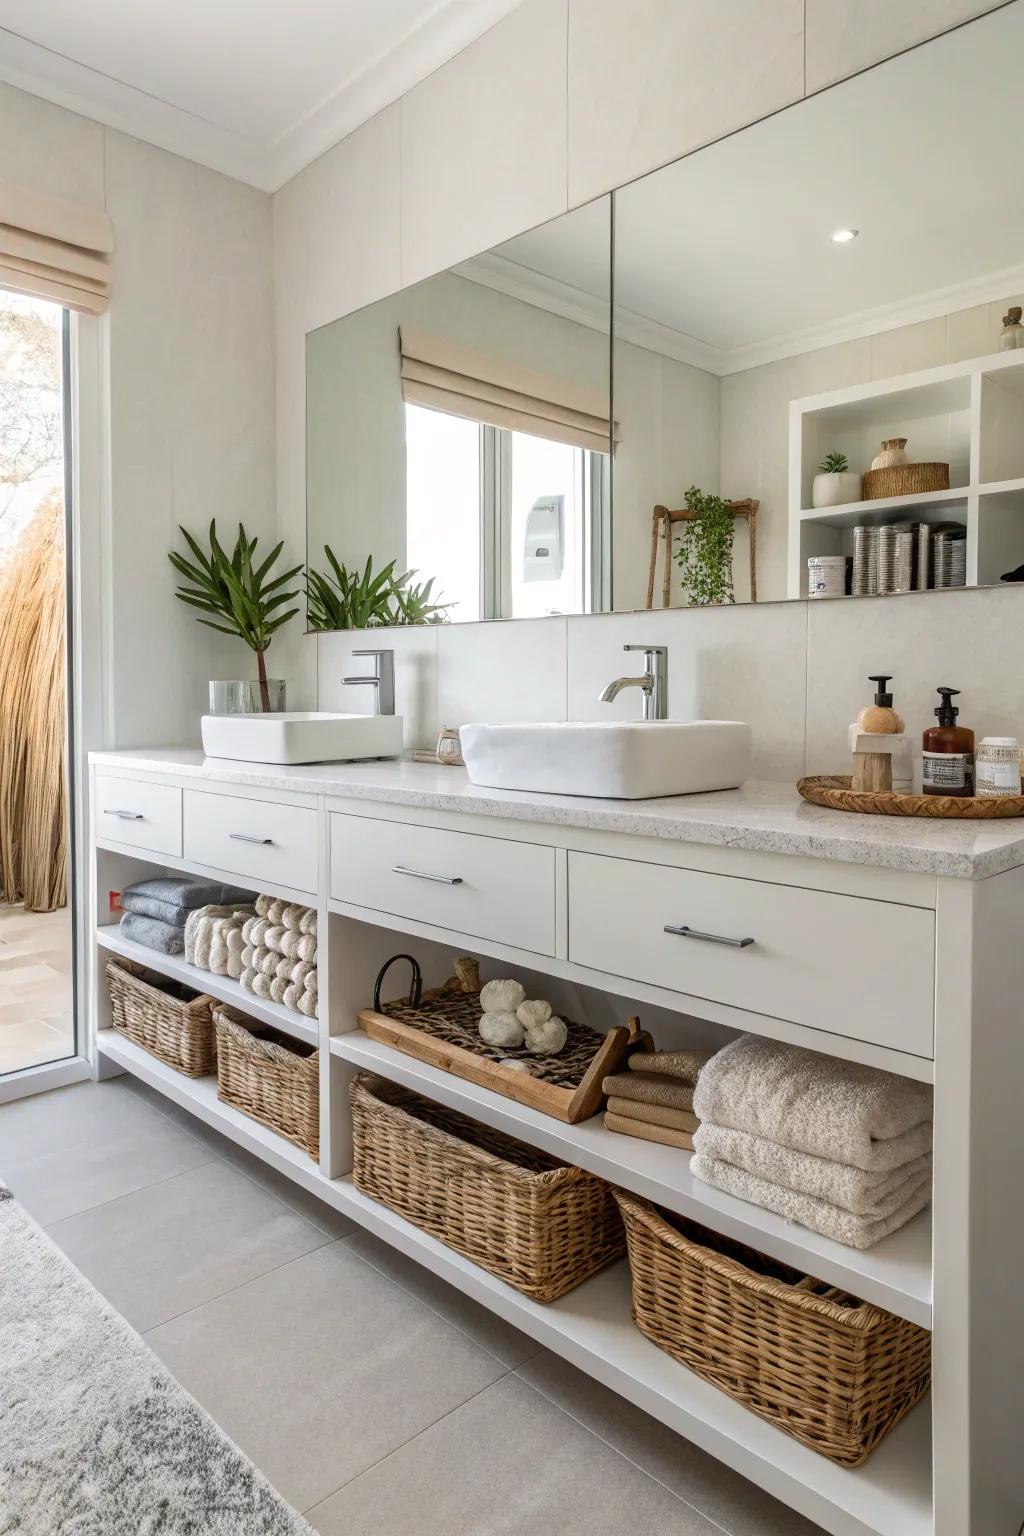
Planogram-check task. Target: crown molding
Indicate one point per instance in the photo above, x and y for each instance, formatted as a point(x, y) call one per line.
point(446, 29)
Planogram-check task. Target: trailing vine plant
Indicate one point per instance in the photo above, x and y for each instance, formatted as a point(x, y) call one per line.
point(704, 549)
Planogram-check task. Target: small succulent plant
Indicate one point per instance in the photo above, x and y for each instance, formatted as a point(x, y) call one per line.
point(833, 464)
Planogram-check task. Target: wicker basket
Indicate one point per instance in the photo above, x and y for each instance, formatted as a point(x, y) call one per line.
point(270, 1076)
point(835, 1373)
point(168, 1020)
point(836, 792)
point(535, 1223)
point(904, 480)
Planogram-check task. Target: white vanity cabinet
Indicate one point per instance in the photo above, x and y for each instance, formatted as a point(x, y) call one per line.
point(871, 941)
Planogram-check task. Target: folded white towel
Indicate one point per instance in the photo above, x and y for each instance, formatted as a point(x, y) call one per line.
point(834, 1109)
point(213, 939)
point(863, 1194)
point(818, 1215)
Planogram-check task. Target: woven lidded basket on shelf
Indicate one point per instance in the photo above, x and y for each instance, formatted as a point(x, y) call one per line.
point(532, 1221)
point(269, 1076)
point(167, 1019)
point(904, 480)
point(835, 1373)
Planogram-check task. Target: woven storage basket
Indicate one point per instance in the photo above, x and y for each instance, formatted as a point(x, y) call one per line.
point(168, 1020)
point(270, 1076)
point(904, 480)
point(835, 1373)
point(532, 1221)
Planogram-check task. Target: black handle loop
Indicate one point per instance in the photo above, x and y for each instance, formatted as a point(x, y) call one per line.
point(416, 988)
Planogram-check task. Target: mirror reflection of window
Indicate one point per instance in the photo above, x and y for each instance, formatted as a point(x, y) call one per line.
point(443, 511)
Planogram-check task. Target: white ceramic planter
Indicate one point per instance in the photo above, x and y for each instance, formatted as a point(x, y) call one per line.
point(836, 489)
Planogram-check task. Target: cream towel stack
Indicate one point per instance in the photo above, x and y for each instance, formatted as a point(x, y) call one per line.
point(654, 1098)
point(279, 954)
point(841, 1148)
point(213, 939)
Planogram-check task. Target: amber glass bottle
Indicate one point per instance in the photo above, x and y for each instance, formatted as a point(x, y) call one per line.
point(947, 765)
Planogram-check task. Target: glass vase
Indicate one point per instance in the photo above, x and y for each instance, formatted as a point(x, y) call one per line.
point(244, 696)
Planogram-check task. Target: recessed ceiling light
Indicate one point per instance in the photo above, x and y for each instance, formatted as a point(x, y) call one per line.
point(843, 236)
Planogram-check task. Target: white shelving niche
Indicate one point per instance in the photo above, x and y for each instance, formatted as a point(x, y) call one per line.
point(968, 414)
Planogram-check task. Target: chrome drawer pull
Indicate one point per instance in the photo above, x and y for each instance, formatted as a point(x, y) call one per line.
point(685, 932)
point(243, 837)
point(422, 874)
point(126, 815)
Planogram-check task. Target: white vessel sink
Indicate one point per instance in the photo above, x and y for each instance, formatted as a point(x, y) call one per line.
point(614, 760)
point(302, 737)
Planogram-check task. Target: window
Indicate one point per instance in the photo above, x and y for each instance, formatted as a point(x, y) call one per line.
point(518, 525)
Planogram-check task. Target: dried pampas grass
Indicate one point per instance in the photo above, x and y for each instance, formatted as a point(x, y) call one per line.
point(33, 729)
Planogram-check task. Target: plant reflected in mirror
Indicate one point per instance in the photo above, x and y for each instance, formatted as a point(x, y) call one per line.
point(340, 598)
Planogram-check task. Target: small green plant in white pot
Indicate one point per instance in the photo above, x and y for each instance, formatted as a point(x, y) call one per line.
point(835, 483)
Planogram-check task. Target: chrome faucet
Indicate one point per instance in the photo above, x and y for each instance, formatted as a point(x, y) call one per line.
point(653, 682)
point(381, 680)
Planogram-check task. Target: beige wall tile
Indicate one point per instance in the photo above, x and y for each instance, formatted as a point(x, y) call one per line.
point(415, 651)
point(651, 80)
point(925, 639)
point(501, 671)
point(484, 142)
point(844, 36)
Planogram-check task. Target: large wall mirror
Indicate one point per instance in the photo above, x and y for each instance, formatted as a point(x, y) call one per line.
point(815, 388)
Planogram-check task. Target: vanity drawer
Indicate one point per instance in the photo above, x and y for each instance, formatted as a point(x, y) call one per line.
point(481, 886)
point(253, 840)
point(852, 966)
point(138, 812)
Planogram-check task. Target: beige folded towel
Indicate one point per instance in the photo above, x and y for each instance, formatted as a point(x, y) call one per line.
point(660, 1133)
point(817, 1215)
point(834, 1109)
point(686, 1065)
point(872, 1195)
point(647, 1088)
point(653, 1114)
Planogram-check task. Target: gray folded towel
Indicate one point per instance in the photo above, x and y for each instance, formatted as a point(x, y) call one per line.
point(817, 1215)
point(172, 897)
point(872, 1195)
point(166, 938)
point(833, 1109)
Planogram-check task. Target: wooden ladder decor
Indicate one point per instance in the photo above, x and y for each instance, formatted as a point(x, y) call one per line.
point(664, 521)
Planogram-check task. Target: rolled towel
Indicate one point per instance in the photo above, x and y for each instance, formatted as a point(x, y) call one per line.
point(263, 904)
point(155, 934)
point(659, 1133)
point(685, 1065)
point(653, 1114)
point(647, 1088)
point(267, 962)
point(301, 1001)
point(278, 988)
point(829, 1220)
point(307, 924)
point(864, 1194)
point(834, 1109)
point(206, 936)
point(235, 949)
point(254, 930)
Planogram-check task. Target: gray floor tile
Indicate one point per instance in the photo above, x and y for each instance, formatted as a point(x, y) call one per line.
point(483, 1327)
point(321, 1368)
point(317, 1212)
point(508, 1463)
point(716, 1490)
point(160, 1251)
point(64, 1151)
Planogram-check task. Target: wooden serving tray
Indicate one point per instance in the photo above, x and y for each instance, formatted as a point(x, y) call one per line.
point(440, 1029)
point(835, 793)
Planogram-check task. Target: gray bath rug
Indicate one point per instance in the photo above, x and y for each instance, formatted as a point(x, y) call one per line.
point(96, 1437)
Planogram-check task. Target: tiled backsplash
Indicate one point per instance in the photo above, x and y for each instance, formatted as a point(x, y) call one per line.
point(796, 672)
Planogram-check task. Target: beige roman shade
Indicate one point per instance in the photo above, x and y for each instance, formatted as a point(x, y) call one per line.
point(53, 248)
point(450, 377)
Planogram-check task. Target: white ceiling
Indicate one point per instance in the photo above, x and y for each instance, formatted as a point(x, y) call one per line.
point(725, 258)
point(255, 88)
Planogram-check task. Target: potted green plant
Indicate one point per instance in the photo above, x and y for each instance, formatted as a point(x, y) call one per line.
point(704, 549)
point(835, 483)
point(245, 601)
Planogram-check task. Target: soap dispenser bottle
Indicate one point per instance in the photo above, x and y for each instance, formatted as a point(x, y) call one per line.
point(947, 763)
point(873, 766)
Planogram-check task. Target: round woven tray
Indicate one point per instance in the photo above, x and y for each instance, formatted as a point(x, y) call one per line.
point(904, 480)
point(835, 792)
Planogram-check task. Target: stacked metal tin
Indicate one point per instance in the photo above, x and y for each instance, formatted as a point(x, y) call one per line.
point(908, 557)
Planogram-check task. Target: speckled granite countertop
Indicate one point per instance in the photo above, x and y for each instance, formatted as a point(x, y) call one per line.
point(762, 816)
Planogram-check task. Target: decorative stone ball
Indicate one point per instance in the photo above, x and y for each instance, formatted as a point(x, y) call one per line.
point(502, 996)
point(533, 1012)
point(502, 1029)
point(547, 1039)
